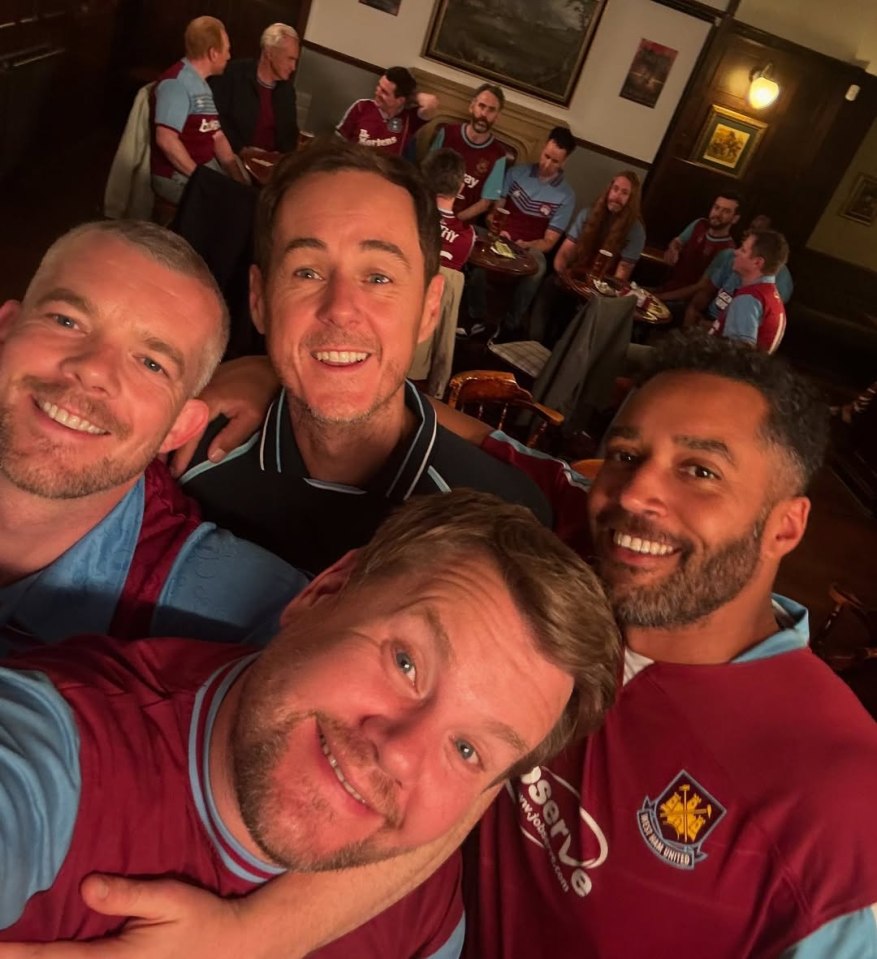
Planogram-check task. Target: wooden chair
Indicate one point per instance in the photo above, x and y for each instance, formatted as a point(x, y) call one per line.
point(495, 397)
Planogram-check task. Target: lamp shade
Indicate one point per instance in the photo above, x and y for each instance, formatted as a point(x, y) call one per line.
point(762, 92)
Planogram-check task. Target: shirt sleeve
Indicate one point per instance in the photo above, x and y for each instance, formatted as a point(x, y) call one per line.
point(563, 214)
point(720, 268)
point(40, 785)
point(785, 286)
point(171, 104)
point(225, 589)
point(636, 241)
point(685, 235)
point(573, 232)
point(438, 140)
point(853, 936)
point(743, 319)
point(492, 189)
point(347, 126)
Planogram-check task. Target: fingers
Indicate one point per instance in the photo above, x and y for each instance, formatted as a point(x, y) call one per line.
point(116, 896)
point(237, 431)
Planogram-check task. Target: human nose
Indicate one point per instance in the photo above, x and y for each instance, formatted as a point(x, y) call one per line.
point(400, 745)
point(641, 489)
point(95, 365)
point(338, 304)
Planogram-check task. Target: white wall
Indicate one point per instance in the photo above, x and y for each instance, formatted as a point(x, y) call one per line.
point(596, 112)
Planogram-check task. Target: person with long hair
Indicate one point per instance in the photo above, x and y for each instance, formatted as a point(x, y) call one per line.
point(612, 223)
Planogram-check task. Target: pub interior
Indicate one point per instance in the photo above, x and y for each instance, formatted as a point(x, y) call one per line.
point(70, 70)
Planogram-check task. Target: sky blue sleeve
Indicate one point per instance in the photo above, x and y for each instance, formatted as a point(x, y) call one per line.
point(785, 286)
point(507, 180)
point(453, 947)
point(721, 267)
point(492, 189)
point(39, 787)
point(685, 235)
point(573, 232)
point(563, 214)
point(743, 319)
point(853, 936)
point(636, 240)
point(171, 104)
point(223, 588)
point(439, 140)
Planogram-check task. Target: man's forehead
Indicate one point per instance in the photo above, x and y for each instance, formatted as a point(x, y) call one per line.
point(486, 98)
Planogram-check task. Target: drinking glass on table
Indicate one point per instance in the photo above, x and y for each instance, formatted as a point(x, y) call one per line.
point(602, 258)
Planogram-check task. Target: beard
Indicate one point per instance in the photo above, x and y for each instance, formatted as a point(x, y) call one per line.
point(42, 468)
point(697, 587)
point(285, 834)
point(480, 125)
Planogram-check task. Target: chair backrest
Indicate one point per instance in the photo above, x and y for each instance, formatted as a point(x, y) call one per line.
point(495, 397)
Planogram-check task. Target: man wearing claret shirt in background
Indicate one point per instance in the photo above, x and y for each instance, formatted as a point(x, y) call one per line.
point(390, 120)
point(483, 155)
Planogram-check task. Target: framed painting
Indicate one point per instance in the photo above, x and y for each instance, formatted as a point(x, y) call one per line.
point(648, 73)
point(728, 141)
point(538, 46)
point(861, 204)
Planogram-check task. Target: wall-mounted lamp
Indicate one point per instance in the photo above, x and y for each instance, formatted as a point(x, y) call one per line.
point(762, 90)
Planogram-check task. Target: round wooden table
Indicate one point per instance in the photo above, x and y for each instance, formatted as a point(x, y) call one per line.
point(523, 263)
point(655, 314)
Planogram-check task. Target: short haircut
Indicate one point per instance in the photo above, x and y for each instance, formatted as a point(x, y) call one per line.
point(443, 171)
point(797, 420)
point(771, 246)
point(331, 154)
point(563, 138)
point(276, 34)
point(403, 80)
point(493, 89)
point(731, 195)
point(555, 591)
point(169, 250)
point(202, 35)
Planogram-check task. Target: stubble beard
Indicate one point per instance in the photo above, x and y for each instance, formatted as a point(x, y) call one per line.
point(694, 590)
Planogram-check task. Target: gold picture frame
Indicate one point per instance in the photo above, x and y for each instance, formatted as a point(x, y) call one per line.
point(728, 141)
point(861, 204)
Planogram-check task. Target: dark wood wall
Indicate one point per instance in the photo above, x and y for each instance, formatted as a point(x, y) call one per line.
point(811, 136)
point(68, 67)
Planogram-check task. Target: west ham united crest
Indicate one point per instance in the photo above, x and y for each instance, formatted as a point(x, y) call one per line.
point(676, 824)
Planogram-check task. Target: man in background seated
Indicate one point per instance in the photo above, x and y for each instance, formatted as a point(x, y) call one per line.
point(612, 223)
point(120, 327)
point(756, 314)
point(699, 807)
point(483, 155)
point(255, 99)
point(718, 284)
point(390, 120)
point(407, 681)
point(186, 128)
point(692, 251)
point(345, 286)
point(443, 171)
point(536, 208)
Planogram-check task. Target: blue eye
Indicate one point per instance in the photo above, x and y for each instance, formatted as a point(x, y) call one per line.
point(379, 279)
point(406, 664)
point(467, 751)
point(152, 366)
point(64, 321)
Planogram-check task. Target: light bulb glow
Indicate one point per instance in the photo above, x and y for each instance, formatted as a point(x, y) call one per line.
point(763, 92)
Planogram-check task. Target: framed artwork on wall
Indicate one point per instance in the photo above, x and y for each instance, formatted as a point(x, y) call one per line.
point(538, 46)
point(728, 141)
point(861, 204)
point(648, 73)
point(387, 6)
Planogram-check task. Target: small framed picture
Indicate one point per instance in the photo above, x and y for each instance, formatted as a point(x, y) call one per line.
point(861, 204)
point(648, 73)
point(728, 141)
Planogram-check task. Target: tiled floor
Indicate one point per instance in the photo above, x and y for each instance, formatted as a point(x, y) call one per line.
point(66, 188)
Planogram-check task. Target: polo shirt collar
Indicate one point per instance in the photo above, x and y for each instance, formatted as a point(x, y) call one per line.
point(397, 478)
point(534, 172)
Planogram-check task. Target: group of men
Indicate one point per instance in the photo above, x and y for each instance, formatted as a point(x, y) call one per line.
point(434, 660)
point(421, 649)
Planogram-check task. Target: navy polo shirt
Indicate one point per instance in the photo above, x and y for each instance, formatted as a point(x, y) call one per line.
point(261, 490)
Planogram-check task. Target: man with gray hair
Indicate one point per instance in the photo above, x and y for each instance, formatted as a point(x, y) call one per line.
point(119, 329)
point(256, 98)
